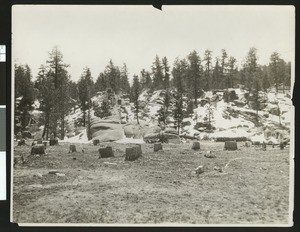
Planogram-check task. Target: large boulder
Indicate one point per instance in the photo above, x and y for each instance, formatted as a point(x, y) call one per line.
point(108, 135)
point(132, 131)
point(106, 129)
point(152, 129)
point(152, 134)
point(170, 136)
point(103, 127)
point(171, 131)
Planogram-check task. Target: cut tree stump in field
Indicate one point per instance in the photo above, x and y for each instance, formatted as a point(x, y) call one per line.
point(53, 142)
point(196, 146)
point(72, 148)
point(21, 142)
point(105, 152)
point(96, 142)
point(157, 147)
point(264, 146)
point(132, 153)
point(139, 149)
point(38, 149)
point(230, 145)
point(247, 144)
point(45, 143)
point(199, 169)
point(281, 145)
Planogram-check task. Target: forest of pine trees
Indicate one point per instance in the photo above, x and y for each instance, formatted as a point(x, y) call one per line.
point(190, 77)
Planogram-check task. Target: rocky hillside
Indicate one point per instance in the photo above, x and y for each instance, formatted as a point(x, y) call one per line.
point(220, 115)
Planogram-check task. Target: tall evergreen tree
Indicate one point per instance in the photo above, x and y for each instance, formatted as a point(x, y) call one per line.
point(250, 67)
point(216, 76)
point(166, 73)
point(24, 91)
point(223, 66)
point(101, 83)
point(208, 66)
point(112, 74)
point(157, 73)
point(232, 70)
point(275, 69)
point(136, 92)
point(253, 77)
point(146, 81)
point(195, 69)
point(85, 87)
point(46, 96)
point(124, 83)
point(59, 74)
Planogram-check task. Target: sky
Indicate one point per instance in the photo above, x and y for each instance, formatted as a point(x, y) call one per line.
point(89, 36)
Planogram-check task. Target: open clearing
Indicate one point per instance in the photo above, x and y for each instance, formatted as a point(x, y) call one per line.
point(159, 187)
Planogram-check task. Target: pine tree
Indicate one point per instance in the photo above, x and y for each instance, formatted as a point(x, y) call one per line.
point(180, 72)
point(250, 67)
point(178, 112)
point(24, 91)
point(124, 83)
point(101, 83)
point(224, 66)
point(216, 76)
point(136, 92)
point(274, 68)
point(46, 96)
point(166, 74)
point(157, 73)
point(59, 75)
point(208, 66)
point(85, 88)
point(253, 77)
point(112, 75)
point(195, 69)
point(146, 81)
point(231, 72)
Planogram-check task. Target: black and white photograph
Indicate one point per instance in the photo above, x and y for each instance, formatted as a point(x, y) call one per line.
point(134, 116)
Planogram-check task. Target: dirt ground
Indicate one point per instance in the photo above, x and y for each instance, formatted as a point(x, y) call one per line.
point(159, 187)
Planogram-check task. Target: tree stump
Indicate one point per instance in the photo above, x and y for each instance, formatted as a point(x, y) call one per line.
point(38, 149)
point(157, 147)
point(139, 149)
point(105, 152)
point(247, 144)
point(281, 145)
point(199, 170)
point(96, 142)
point(132, 153)
point(196, 146)
point(53, 142)
point(21, 142)
point(72, 148)
point(230, 145)
point(264, 146)
point(45, 143)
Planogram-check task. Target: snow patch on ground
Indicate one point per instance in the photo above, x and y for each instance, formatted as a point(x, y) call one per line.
point(130, 141)
point(80, 138)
